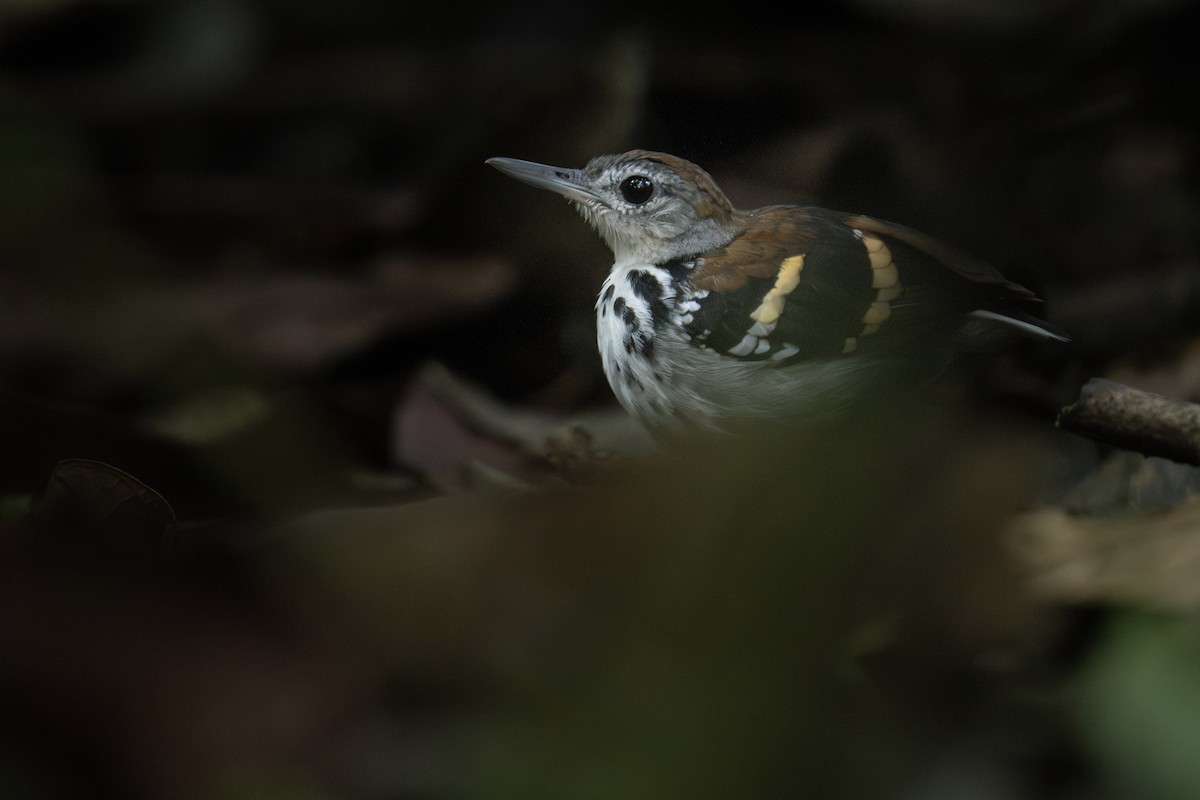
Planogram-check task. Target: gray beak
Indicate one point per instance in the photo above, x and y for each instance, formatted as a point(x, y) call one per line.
point(567, 182)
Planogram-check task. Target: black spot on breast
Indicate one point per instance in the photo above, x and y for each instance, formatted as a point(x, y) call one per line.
point(630, 319)
point(608, 293)
point(637, 339)
point(647, 287)
point(646, 348)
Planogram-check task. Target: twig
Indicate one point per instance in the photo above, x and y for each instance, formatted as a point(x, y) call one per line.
point(1115, 414)
point(559, 440)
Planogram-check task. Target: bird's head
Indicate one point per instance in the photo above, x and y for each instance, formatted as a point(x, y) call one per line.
point(649, 207)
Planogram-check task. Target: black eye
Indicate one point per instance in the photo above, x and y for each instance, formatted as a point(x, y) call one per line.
point(637, 189)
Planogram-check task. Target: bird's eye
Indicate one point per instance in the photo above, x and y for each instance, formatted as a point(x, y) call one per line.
point(636, 189)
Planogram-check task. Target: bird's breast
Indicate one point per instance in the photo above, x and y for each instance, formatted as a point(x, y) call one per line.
point(637, 330)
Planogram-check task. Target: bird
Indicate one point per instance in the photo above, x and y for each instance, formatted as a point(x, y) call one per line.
point(711, 315)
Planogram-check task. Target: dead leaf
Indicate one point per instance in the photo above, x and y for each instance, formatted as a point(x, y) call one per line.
point(1149, 560)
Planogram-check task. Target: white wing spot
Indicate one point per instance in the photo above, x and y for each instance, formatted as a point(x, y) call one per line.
point(787, 351)
point(745, 347)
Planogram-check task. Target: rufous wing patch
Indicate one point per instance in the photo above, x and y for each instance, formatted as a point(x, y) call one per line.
point(770, 237)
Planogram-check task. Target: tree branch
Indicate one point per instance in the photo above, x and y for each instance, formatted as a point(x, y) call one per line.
point(1119, 415)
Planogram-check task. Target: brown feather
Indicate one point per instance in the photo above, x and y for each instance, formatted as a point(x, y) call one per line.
point(770, 235)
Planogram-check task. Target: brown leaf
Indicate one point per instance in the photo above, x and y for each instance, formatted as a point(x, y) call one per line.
point(1148, 560)
point(94, 499)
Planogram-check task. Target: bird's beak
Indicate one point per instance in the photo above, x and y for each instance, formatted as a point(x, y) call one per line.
point(567, 182)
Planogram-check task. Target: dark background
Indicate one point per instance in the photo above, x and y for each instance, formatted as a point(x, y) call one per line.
point(236, 234)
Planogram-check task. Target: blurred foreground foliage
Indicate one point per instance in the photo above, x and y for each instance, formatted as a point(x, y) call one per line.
point(818, 612)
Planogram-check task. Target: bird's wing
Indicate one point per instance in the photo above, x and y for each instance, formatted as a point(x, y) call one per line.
point(803, 283)
point(947, 257)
